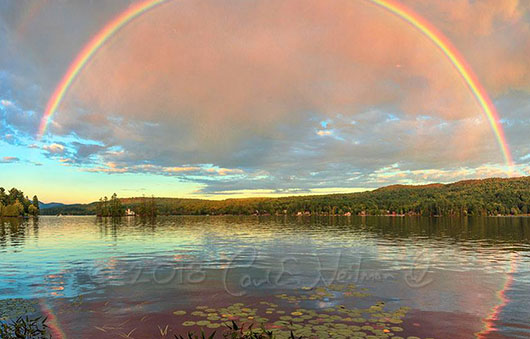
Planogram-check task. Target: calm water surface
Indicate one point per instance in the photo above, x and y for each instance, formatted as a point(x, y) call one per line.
point(424, 277)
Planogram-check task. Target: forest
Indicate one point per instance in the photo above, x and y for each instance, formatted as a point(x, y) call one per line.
point(486, 197)
point(15, 204)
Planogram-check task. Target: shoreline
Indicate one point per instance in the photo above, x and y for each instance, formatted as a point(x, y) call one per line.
point(283, 215)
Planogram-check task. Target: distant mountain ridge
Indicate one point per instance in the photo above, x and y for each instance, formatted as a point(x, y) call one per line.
point(55, 208)
point(43, 205)
point(493, 196)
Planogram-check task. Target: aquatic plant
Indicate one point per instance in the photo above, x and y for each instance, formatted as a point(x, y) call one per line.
point(24, 328)
point(289, 320)
point(235, 331)
point(191, 335)
point(16, 307)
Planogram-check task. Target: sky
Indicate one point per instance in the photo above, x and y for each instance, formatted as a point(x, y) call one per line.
point(237, 98)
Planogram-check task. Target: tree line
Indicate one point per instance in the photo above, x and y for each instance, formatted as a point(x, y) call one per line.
point(485, 197)
point(15, 204)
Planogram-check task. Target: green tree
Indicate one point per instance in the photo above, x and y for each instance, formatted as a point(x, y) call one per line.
point(3, 197)
point(33, 210)
point(13, 210)
point(106, 211)
point(35, 201)
point(19, 207)
point(36, 206)
point(116, 208)
point(152, 207)
point(99, 207)
point(10, 211)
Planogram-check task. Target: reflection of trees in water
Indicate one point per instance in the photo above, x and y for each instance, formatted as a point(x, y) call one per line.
point(35, 227)
point(14, 231)
point(486, 230)
point(489, 230)
point(3, 235)
point(109, 226)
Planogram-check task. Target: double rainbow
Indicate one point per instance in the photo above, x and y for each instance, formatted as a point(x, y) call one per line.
point(393, 7)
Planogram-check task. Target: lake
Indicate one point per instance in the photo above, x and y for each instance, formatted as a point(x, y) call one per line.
point(337, 277)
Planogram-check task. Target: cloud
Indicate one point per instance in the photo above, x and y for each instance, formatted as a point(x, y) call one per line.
point(186, 173)
point(493, 35)
point(72, 151)
point(85, 152)
point(324, 132)
point(54, 149)
point(224, 171)
point(180, 169)
point(6, 103)
point(248, 81)
point(271, 95)
point(16, 124)
point(8, 160)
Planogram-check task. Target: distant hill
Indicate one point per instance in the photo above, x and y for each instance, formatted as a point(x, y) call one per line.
point(68, 209)
point(43, 205)
point(495, 196)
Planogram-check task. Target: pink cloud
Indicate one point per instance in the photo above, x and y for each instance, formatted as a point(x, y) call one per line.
point(221, 82)
point(324, 132)
point(258, 65)
point(181, 169)
point(9, 159)
point(54, 148)
point(494, 36)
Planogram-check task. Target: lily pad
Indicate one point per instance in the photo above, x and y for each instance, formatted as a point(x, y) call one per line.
point(179, 312)
point(213, 325)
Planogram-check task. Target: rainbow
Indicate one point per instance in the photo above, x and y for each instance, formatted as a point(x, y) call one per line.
point(397, 9)
point(29, 14)
point(53, 322)
point(460, 65)
point(86, 54)
point(489, 322)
